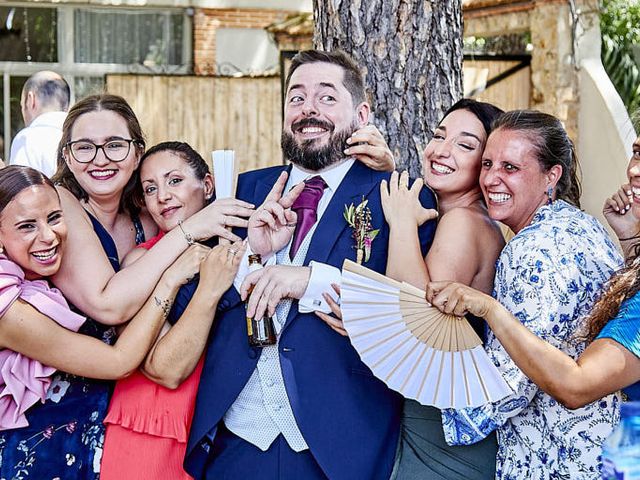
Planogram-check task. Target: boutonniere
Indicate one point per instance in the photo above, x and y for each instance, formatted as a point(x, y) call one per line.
point(359, 219)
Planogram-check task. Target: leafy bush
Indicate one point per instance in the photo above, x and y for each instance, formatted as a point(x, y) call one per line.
point(620, 26)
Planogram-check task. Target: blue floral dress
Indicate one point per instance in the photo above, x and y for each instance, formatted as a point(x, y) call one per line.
point(549, 276)
point(65, 434)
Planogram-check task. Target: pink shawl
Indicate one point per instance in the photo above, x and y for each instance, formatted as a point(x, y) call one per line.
point(24, 381)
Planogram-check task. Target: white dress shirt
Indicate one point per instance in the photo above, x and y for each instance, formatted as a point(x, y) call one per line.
point(36, 146)
point(322, 275)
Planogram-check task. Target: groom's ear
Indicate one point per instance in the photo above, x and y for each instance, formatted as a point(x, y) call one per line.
point(363, 111)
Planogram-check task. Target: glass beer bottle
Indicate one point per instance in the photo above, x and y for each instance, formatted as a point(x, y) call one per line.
point(260, 331)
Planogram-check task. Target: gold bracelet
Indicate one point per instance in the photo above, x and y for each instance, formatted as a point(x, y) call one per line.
point(187, 236)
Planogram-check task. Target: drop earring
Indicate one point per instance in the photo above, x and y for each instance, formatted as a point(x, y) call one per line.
point(549, 195)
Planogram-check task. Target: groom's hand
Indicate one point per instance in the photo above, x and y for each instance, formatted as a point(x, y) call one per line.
point(273, 223)
point(272, 284)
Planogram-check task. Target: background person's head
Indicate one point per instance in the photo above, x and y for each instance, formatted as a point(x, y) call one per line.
point(452, 158)
point(175, 183)
point(101, 120)
point(325, 102)
point(32, 227)
point(43, 92)
point(529, 160)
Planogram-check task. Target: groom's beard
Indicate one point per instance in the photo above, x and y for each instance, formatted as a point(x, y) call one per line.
point(306, 155)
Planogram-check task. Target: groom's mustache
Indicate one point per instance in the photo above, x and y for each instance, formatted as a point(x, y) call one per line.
point(312, 122)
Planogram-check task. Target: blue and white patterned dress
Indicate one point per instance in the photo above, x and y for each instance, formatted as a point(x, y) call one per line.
point(549, 276)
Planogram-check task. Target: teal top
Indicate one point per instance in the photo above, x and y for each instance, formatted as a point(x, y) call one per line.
point(625, 329)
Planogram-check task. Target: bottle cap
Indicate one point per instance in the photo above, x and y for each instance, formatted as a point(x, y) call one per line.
point(255, 258)
point(630, 409)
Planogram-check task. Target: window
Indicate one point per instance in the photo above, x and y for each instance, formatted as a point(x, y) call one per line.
point(84, 44)
point(153, 39)
point(245, 50)
point(28, 34)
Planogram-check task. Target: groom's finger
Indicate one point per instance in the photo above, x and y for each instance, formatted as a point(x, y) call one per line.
point(278, 188)
point(287, 200)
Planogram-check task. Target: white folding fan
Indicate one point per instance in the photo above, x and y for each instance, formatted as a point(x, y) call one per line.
point(434, 358)
point(225, 174)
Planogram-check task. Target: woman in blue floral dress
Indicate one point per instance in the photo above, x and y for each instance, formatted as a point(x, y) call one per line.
point(548, 278)
point(612, 361)
point(51, 427)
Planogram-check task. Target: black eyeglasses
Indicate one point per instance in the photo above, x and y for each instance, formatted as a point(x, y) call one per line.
point(84, 151)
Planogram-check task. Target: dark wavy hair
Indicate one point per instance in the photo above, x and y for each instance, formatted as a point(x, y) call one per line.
point(623, 285)
point(181, 149)
point(15, 178)
point(96, 103)
point(486, 113)
point(552, 146)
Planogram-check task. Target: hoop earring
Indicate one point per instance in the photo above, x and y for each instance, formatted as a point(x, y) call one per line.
point(549, 195)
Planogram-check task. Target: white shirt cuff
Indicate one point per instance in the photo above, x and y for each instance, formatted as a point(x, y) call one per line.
point(322, 276)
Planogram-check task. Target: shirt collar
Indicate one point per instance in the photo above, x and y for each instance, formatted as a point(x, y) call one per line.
point(52, 119)
point(332, 176)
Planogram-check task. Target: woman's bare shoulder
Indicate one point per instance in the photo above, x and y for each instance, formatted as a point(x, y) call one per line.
point(475, 223)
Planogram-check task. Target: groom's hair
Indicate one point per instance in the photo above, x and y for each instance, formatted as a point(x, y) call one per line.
point(353, 80)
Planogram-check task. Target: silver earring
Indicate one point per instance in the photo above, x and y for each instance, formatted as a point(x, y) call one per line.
point(549, 195)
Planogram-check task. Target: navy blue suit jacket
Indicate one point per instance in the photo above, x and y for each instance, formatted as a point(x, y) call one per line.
point(349, 418)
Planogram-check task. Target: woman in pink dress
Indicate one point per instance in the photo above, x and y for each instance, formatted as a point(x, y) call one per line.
point(150, 412)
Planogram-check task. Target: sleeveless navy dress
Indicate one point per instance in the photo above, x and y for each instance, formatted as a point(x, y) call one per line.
point(65, 434)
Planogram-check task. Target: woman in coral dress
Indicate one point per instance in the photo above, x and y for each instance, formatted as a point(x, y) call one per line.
point(150, 413)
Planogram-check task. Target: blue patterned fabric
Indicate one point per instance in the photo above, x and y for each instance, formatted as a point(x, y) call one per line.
point(625, 329)
point(65, 434)
point(548, 276)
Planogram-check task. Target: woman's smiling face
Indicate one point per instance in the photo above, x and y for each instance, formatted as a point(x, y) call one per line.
point(33, 231)
point(172, 192)
point(451, 160)
point(102, 178)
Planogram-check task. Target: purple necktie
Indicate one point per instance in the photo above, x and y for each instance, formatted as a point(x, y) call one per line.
point(306, 207)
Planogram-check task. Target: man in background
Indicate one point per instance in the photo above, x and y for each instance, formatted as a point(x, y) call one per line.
point(44, 103)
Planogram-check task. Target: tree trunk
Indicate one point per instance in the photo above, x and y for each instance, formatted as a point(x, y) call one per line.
point(411, 51)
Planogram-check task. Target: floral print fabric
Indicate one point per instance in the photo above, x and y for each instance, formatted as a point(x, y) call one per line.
point(65, 434)
point(548, 276)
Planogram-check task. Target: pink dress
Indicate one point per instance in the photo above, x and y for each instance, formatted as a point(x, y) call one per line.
point(148, 425)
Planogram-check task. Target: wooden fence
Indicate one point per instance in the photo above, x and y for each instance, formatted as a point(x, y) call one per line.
point(209, 113)
point(511, 93)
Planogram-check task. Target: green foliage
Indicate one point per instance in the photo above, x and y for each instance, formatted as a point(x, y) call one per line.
point(620, 26)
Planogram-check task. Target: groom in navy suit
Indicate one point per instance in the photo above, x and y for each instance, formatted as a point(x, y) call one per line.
point(307, 407)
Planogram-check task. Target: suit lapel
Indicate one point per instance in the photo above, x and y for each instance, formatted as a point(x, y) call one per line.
point(357, 183)
point(265, 184)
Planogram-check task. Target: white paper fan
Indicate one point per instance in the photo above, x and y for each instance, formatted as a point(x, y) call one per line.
point(225, 174)
point(424, 354)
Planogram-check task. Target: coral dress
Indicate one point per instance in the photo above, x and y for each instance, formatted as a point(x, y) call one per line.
point(148, 425)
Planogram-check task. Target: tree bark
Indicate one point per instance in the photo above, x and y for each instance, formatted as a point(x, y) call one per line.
point(411, 52)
